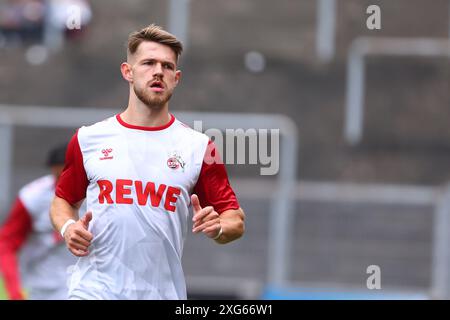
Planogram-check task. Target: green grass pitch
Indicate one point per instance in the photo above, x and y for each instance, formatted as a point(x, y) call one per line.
point(2, 290)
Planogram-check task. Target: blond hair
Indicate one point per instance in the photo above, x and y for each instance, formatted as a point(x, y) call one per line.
point(156, 34)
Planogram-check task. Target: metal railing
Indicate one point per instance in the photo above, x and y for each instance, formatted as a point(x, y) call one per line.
point(379, 194)
point(363, 47)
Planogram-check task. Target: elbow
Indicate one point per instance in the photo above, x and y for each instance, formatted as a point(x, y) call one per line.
point(241, 224)
point(241, 229)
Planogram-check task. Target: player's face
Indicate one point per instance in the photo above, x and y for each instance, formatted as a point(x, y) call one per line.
point(154, 73)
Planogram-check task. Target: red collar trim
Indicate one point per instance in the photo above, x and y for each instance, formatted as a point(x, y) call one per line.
point(130, 126)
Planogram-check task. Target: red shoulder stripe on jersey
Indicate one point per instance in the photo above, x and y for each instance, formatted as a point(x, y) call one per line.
point(12, 236)
point(73, 182)
point(213, 187)
point(130, 126)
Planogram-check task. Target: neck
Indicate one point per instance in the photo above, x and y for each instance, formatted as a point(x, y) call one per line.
point(138, 114)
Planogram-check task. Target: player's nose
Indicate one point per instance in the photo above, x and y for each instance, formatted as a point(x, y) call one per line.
point(158, 70)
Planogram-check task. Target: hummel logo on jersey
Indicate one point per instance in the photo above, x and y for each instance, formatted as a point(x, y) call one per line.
point(106, 153)
point(175, 161)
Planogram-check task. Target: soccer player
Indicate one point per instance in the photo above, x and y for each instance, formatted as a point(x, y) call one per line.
point(28, 233)
point(140, 170)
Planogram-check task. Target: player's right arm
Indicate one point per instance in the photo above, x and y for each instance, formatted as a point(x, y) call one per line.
point(69, 194)
point(76, 234)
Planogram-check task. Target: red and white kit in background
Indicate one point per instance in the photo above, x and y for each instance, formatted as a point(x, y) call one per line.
point(138, 182)
point(32, 254)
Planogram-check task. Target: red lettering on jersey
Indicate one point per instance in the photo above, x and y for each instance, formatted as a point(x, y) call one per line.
point(106, 187)
point(170, 197)
point(142, 196)
point(121, 191)
point(123, 188)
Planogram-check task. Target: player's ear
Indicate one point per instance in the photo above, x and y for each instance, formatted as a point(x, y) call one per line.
point(127, 72)
point(177, 76)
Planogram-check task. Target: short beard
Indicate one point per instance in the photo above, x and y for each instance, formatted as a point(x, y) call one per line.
point(157, 102)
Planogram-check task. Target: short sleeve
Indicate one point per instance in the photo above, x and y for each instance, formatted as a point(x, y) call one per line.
point(73, 182)
point(213, 187)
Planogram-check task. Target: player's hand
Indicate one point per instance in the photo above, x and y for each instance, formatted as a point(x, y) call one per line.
point(77, 237)
point(205, 219)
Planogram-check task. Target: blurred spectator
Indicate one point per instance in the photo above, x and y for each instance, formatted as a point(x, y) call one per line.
point(44, 259)
point(34, 20)
point(22, 20)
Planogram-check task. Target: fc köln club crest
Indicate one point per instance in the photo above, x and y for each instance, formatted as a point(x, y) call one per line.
point(175, 161)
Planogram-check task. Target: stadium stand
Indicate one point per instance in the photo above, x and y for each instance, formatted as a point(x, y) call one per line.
point(406, 140)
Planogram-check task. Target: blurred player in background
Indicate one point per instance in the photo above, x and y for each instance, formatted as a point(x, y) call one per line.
point(140, 170)
point(28, 232)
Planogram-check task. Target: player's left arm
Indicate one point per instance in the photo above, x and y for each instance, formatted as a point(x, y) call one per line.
point(217, 212)
point(223, 228)
point(233, 226)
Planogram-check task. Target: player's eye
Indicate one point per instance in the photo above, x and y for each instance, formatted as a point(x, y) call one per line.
point(168, 66)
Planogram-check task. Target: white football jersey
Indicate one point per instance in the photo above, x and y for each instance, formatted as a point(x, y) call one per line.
point(137, 182)
point(44, 259)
